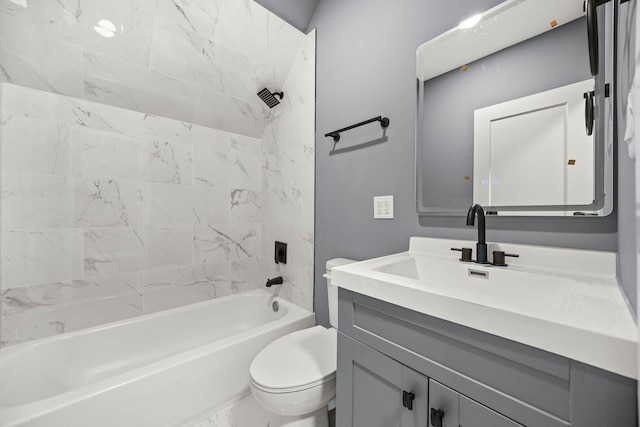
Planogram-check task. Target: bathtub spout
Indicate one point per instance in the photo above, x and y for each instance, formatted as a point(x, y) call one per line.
point(275, 281)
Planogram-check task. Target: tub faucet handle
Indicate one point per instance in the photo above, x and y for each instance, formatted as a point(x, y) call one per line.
point(275, 281)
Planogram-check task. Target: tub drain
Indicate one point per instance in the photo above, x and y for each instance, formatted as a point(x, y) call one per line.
point(275, 306)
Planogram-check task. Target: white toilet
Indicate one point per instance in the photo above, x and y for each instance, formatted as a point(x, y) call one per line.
point(294, 377)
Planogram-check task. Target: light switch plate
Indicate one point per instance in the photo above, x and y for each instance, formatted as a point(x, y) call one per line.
point(383, 207)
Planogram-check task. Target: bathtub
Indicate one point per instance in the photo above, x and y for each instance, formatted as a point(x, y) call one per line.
point(162, 369)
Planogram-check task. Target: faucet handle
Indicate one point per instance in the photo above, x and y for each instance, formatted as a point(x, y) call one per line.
point(498, 258)
point(466, 253)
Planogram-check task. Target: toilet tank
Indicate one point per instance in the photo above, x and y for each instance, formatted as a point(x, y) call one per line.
point(332, 290)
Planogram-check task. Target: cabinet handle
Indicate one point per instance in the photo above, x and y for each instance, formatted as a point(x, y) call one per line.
point(407, 399)
point(436, 417)
point(592, 33)
point(589, 111)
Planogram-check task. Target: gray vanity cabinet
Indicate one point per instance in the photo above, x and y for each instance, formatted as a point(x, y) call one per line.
point(388, 355)
point(384, 393)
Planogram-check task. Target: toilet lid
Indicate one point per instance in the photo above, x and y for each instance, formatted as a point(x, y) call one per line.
point(296, 361)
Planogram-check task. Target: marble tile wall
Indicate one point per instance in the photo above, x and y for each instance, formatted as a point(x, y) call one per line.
point(109, 213)
point(288, 174)
point(110, 208)
point(198, 61)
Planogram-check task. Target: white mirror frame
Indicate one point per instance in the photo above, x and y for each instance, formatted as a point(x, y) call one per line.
point(504, 25)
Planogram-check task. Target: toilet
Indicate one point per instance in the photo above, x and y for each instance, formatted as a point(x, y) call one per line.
point(294, 377)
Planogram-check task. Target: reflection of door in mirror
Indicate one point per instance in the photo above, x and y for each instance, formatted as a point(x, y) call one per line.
point(447, 99)
point(553, 59)
point(534, 151)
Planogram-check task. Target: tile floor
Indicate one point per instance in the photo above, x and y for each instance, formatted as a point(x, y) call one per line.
point(243, 413)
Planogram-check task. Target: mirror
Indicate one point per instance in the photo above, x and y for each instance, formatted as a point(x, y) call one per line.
point(502, 109)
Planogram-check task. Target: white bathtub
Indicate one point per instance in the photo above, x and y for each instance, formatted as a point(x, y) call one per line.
point(156, 370)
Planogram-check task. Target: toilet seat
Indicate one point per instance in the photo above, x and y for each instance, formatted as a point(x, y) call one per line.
point(298, 361)
point(292, 389)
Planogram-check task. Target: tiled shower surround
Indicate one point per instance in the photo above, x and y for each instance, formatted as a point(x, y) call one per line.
point(200, 61)
point(168, 183)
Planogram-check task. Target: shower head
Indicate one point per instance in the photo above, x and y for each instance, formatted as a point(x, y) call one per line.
point(269, 97)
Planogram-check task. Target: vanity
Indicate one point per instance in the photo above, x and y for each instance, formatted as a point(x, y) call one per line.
point(428, 340)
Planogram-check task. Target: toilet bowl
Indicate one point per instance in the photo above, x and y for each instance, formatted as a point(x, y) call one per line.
point(294, 377)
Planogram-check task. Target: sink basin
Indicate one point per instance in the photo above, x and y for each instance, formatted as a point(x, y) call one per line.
point(564, 301)
point(508, 289)
point(405, 267)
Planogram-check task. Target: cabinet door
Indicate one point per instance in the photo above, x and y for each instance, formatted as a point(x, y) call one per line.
point(456, 410)
point(377, 388)
point(445, 402)
point(371, 387)
point(418, 384)
point(472, 414)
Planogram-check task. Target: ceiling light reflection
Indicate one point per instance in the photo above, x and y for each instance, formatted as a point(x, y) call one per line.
point(468, 23)
point(105, 28)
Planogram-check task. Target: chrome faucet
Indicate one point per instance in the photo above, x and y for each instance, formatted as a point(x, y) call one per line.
point(481, 246)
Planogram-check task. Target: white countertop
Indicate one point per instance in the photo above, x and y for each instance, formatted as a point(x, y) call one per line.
point(564, 301)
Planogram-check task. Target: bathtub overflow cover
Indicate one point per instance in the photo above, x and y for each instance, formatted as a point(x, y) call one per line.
point(275, 306)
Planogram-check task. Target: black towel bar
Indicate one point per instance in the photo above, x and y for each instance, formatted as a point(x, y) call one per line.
point(384, 122)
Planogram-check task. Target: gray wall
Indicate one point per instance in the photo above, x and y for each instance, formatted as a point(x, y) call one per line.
point(365, 68)
point(295, 12)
